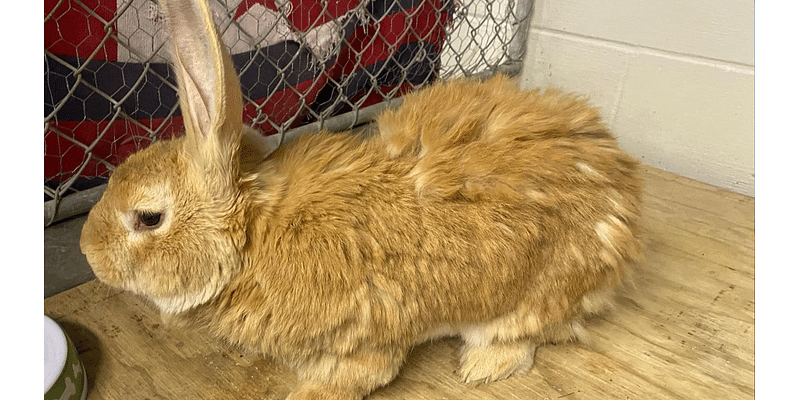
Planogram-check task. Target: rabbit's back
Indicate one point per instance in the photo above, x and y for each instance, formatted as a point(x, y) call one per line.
point(478, 139)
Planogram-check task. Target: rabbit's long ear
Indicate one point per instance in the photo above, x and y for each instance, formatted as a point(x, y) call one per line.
point(209, 92)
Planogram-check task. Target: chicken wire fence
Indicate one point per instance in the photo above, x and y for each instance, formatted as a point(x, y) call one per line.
point(303, 65)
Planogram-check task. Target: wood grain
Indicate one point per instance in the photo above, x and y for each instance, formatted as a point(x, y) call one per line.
point(685, 330)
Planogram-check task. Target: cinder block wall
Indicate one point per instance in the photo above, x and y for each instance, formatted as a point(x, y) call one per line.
point(674, 79)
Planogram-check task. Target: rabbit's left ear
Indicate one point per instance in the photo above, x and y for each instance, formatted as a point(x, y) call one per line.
point(209, 92)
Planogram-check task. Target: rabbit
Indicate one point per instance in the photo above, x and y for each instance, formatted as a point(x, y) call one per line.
point(475, 209)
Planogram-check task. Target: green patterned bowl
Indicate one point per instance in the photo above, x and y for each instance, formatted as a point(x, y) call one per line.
point(64, 376)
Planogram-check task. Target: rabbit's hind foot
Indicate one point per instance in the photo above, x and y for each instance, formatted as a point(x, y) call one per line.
point(484, 363)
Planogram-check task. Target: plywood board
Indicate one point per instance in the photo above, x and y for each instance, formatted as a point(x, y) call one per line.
point(686, 331)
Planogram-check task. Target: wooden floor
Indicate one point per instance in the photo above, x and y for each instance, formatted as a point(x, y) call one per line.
point(686, 331)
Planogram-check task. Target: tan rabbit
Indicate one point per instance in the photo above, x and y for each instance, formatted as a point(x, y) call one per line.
point(502, 216)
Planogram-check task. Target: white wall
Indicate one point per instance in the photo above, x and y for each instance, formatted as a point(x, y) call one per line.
point(674, 79)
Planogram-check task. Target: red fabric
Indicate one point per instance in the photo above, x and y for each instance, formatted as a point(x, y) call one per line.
point(120, 139)
point(72, 31)
point(282, 105)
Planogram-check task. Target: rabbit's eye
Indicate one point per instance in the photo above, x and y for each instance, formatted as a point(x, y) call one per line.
point(147, 220)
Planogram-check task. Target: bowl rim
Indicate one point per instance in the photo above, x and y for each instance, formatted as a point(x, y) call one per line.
point(56, 337)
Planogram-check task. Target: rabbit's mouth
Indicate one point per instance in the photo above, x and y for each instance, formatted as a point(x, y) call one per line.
point(102, 267)
point(104, 250)
point(92, 247)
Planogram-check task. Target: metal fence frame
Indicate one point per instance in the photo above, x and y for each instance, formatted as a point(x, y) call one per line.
point(510, 26)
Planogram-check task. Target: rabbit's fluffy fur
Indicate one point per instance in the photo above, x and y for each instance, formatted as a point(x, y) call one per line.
point(477, 209)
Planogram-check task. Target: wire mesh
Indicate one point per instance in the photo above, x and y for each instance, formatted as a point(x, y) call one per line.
point(303, 64)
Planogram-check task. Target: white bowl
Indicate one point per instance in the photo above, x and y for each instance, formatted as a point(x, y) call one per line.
point(64, 376)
